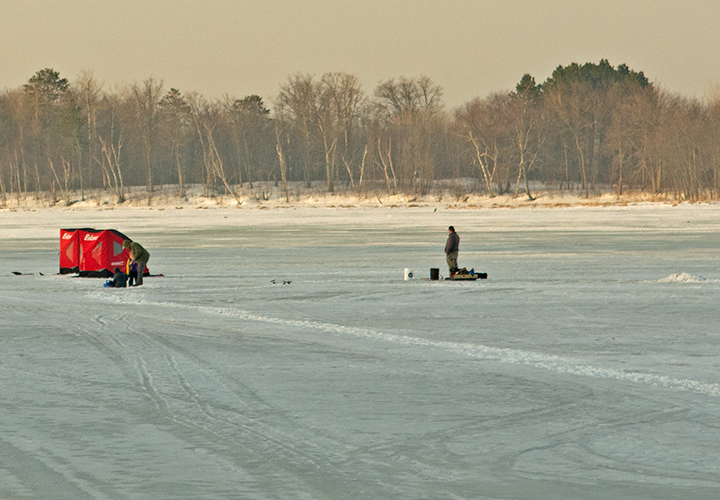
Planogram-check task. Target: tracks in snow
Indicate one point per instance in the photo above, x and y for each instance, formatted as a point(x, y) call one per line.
point(504, 355)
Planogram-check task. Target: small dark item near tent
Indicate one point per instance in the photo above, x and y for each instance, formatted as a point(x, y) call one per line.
point(93, 253)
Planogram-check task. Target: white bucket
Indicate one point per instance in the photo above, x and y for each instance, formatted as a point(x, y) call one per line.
point(408, 274)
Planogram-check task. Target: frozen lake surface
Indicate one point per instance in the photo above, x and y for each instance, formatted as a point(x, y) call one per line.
point(587, 366)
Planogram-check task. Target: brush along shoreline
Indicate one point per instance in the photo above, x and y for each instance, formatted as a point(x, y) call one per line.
point(268, 196)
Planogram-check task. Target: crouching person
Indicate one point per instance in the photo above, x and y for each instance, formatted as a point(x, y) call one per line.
point(119, 279)
point(139, 256)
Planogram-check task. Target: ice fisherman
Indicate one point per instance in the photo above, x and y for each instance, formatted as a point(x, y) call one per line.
point(139, 256)
point(451, 250)
point(119, 279)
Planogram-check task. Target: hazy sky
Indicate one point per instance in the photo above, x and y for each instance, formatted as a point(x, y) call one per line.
point(470, 48)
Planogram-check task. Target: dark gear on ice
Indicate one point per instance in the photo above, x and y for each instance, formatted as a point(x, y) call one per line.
point(119, 279)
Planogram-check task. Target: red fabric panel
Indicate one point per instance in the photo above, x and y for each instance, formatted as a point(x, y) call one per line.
point(91, 250)
point(116, 255)
point(69, 249)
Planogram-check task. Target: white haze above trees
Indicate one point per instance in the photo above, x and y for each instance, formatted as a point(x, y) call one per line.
point(585, 127)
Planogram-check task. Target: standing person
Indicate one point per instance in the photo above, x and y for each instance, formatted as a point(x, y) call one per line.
point(139, 256)
point(132, 273)
point(451, 250)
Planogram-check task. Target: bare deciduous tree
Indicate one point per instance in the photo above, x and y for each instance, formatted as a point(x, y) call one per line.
point(89, 91)
point(144, 100)
point(175, 123)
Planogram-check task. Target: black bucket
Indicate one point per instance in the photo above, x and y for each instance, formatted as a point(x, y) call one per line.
point(434, 274)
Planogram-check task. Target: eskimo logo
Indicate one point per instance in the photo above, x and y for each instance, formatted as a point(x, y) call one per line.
point(91, 237)
point(117, 263)
point(67, 236)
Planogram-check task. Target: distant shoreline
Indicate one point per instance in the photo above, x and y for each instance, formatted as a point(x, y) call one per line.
point(265, 196)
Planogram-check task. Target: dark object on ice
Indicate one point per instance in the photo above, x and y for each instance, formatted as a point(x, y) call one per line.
point(465, 275)
point(434, 274)
point(119, 280)
point(287, 282)
point(18, 273)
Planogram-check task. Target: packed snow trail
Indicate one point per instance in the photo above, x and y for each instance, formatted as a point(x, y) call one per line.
point(503, 355)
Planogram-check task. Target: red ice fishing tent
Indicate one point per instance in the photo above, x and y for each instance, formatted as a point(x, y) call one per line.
point(93, 253)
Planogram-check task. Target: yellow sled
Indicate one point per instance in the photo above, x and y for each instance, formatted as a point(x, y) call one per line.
point(465, 275)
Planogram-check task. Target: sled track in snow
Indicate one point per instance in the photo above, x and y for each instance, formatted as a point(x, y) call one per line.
point(503, 355)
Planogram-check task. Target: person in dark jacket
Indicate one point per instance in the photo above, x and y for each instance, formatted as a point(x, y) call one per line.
point(119, 279)
point(139, 256)
point(451, 250)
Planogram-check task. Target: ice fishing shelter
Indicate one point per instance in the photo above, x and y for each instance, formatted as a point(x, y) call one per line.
point(93, 253)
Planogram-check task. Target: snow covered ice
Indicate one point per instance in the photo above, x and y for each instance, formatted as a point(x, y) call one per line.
point(586, 366)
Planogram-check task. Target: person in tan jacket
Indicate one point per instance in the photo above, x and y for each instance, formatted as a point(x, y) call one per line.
point(138, 256)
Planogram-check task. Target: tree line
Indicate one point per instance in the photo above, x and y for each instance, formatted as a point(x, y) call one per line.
point(586, 127)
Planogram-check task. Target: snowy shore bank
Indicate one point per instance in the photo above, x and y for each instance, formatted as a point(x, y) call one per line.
point(265, 195)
